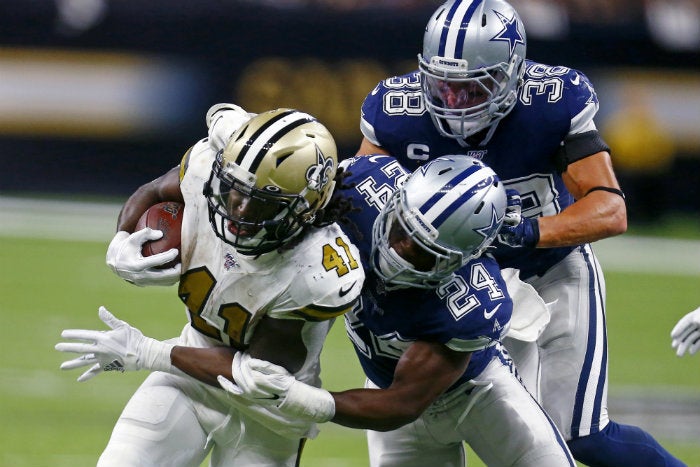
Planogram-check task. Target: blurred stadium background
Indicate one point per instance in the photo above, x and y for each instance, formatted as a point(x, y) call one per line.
point(99, 96)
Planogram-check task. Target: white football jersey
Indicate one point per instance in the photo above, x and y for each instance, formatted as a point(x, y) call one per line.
point(227, 293)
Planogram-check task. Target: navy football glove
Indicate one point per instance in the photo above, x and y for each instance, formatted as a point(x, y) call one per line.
point(518, 231)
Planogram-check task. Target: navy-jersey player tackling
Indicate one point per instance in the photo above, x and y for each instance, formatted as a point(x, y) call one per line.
point(475, 94)
point(427, 332)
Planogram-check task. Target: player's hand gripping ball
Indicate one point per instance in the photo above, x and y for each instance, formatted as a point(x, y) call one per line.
point(166, 217)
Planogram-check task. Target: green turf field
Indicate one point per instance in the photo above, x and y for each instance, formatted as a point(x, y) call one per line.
point(48, 419)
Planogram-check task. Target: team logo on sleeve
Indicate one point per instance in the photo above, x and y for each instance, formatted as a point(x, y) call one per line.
point(477, 154)
point(230, 262)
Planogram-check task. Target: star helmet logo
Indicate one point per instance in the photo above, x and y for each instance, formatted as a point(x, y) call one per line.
point(593, 97)
point(509, 33)
point(318, 175)
point(489, 231)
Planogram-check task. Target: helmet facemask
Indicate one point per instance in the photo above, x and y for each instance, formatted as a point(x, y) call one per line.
point(396, 272)
point(253, 220)
point(463, 103)
point(270, 180)
point(445, 214)
point(477, 48)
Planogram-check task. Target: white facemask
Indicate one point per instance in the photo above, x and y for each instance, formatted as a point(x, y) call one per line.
point(393, 267)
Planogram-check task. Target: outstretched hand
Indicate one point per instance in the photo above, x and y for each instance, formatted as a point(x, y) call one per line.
point(122, 348)
point(686, 333)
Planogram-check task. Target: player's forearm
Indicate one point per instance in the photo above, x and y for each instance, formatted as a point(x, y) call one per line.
point(594, 217)
point(373, 409)
point(164, 188)
point(204, 364)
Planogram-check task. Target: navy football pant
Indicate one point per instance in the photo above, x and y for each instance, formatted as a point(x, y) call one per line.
point(621, 446)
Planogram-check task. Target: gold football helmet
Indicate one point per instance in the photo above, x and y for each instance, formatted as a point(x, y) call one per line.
point(269, 181)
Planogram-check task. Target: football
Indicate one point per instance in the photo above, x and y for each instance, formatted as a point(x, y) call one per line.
point(166, 217)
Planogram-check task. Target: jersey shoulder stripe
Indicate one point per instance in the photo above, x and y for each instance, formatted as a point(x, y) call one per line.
point(324, 276)
point(323, 313)
point(195, 168)
point(185, 162)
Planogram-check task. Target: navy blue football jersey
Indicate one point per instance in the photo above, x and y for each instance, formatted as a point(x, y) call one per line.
point(553, 102)
point(469, 313)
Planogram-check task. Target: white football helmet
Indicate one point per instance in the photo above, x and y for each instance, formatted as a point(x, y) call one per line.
point(451, 207)
point(471, 65)
point(269, 181)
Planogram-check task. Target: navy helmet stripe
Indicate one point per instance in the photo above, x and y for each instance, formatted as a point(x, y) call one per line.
point(445, 190)
point(447, 212)
point(451, 21)
point(439, 194)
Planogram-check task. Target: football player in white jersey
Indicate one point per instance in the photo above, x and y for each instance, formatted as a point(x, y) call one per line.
point(475, 93)
point(259, 273)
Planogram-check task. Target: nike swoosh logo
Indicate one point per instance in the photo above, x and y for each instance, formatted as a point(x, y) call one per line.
point(575, 80)
point(488, 315)
point(344, 292)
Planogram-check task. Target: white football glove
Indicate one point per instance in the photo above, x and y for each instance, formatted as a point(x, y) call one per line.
point(268, 384)
point(686, 333)
point(513, 214)
point(518, 231)
point(124, 348)
point(223, 120)
point(125, 259)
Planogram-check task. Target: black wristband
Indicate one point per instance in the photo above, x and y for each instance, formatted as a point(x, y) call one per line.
point(606, 188)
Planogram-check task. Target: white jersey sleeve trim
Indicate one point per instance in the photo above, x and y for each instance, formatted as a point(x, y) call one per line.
point(368, 132)
point(583, 121)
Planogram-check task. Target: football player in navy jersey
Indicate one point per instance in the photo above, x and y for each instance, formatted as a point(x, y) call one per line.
point(475, 93)
point(427, 333)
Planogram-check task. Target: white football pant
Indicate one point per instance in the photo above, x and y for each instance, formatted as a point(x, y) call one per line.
point(175, 421)
point(566, 369)
point(493, 413)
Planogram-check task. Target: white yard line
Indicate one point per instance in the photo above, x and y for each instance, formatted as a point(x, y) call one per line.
point(65, 220)
point(57, 220)
point(628, 253)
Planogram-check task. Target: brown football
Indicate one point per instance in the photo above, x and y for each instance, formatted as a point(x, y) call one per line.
point(166, 217)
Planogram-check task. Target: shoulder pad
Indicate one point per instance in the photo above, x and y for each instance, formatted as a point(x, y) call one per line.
point(185, 162)
point(333, 275)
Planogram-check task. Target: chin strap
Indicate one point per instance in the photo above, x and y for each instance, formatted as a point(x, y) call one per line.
point(606, 188)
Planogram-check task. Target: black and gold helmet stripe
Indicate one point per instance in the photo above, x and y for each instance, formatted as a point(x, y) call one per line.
point(264, 138)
